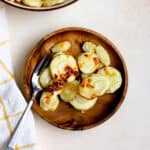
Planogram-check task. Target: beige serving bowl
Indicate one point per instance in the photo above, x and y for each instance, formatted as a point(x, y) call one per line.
point(66, 117)
point(18, 5)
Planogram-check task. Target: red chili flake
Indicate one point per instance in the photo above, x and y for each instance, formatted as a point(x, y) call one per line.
point(56, 86)
point(70, 71)
point(96, 60)
point(60, 80)
point(55, 76)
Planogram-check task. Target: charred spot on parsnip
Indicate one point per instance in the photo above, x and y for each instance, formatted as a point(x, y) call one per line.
point(88, 62)
point(78, 81)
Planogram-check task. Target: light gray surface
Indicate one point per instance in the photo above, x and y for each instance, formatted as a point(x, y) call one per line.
point(127, 24)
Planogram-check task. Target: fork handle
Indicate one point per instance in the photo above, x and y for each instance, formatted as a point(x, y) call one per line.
point(17, 130)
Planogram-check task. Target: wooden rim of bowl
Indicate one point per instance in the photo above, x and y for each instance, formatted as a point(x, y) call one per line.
point(106, 41)
point(21, 6)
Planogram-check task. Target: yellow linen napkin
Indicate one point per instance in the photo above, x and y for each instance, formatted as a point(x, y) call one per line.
point(12, 102)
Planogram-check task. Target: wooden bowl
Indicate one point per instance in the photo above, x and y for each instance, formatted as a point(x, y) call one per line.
point(14, 4)
point(65, 116)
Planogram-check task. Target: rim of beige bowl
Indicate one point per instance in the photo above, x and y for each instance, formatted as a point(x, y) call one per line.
point(17, 5)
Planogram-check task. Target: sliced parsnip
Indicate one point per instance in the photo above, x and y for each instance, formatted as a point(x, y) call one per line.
point(49, 101)
point(89, 47)
point(69, 91)
point(80, 103)
point(114, 77)
point(88, 62)
point(62, 65)
point(47, 3)
point(45, 78)
point(94, 86)
point(61, 47)
point(57, 54)
point(103, 55)
point(33, 3)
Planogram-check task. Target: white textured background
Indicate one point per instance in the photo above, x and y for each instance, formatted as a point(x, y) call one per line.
point(127, 24)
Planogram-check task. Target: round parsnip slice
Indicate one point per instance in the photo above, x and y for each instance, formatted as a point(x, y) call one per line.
point(94, 86)
point(61, 47)
point(69, 91)
point(33, 3)
point(80, 103)
point(45, 78)
point(114, 77)
point(57, 54)
point(49, 101)
point(88, 62)
point(64, 67)
point(47, 3)
point(89, 47)
point(103, 55)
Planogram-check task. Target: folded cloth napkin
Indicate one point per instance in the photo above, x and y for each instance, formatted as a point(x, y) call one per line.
point(12, 103)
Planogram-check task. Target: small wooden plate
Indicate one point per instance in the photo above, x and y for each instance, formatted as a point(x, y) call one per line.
point(65, 116)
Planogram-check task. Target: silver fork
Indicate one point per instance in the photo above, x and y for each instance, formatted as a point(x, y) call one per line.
point(35, 89)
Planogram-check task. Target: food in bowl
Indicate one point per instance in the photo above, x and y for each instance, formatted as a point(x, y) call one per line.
point(39, 3)
point(78, 113)
point(80, 80)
